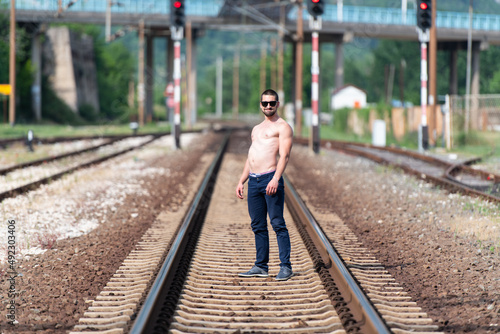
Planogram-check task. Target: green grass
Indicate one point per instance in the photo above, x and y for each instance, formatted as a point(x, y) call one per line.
point(47, 131)
point(327, 132)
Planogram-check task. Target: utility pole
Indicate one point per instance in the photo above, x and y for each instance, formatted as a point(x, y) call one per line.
point(402, 68)
point(468, 75)
point(108, 21)
point(298, 70)
point(404, 10)
point(12, 64)
point(263, 74)
point(340, 10)
point(36, 87)
point(281, 42)
point(140, 85)
point(236, 82)
point(218, 87)
point(272, 64)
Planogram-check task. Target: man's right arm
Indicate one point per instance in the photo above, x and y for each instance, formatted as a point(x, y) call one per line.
point(243, 179)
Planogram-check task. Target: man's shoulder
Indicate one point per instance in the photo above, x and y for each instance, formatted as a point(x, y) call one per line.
point(257, 126)
point(283, 125)
point(282, 122)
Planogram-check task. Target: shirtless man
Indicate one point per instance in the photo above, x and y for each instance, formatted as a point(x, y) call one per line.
point(266, 190)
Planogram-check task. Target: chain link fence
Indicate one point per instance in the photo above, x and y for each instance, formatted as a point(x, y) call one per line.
point(475, 112)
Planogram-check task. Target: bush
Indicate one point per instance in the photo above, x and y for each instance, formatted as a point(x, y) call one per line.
point(340, 118)
point(55, 110)
point(469, 139)
point(88, 113)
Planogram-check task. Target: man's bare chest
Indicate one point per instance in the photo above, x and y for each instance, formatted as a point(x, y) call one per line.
point(265, 134)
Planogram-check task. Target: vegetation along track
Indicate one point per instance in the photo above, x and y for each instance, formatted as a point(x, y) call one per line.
point(61, 171)
point(197, 289)
point(456, 177)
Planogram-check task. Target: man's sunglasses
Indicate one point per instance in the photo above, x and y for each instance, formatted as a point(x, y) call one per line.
point(271, 103)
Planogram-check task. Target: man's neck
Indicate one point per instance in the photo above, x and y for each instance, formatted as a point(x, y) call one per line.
point(272, 118)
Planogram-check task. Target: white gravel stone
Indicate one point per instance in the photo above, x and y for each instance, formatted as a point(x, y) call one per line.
point(73, 205)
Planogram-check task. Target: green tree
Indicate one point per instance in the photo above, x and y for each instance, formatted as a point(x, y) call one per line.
point(4, 43)
point(490, 71)
point(115, 68)
point(23, 64)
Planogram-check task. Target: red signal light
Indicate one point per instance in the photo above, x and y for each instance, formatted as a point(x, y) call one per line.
point(177, 4)
point(423, 5)
point(315, 7)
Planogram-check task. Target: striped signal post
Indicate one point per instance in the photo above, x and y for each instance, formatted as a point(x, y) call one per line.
point(315, 9)
point(178, 20)
point(315, 91)
point(424, 23)
point(424, 136)
point(177, 93)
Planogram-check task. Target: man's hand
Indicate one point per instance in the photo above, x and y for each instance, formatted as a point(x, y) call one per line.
point(272, 187)
point(239, 190)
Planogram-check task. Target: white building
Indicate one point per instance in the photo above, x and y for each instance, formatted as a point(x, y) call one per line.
point(348, 96)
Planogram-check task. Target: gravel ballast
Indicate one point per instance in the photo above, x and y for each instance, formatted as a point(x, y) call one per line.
point(442, 248)
point(108, 208)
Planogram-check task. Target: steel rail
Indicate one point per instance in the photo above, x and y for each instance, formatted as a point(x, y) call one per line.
point(368, 320)
point(37, 162)
point(447, 180)
point(48, 179)
point(166, 276)
point(457, 168)
point(430, 159)
point(53, 140)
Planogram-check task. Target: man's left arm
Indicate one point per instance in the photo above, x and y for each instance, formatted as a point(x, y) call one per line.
point(284, 150)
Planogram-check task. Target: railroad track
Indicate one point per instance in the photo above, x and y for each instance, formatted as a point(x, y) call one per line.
point(4, 143)
point(456, 177)
point(49, 159)
point(87, 162)
point(109, 140)
point(191, 267)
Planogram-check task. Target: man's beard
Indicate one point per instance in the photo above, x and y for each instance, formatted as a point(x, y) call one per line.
point(269, 113)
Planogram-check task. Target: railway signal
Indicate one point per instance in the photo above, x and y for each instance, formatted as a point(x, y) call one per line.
point(424, 23)
point(315, 7)
point(177, 23)
point(424, 14)
point(177, 13)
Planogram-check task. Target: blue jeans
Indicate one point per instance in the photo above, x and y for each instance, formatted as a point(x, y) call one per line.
point(259, 206)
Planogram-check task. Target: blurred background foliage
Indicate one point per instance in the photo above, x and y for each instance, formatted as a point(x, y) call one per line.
point(366, 62)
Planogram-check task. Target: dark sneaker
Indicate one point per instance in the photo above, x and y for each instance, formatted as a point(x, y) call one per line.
point(284, 274)
point(255, 272)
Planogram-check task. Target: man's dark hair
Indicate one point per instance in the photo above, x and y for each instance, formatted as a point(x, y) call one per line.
point(271, 93)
